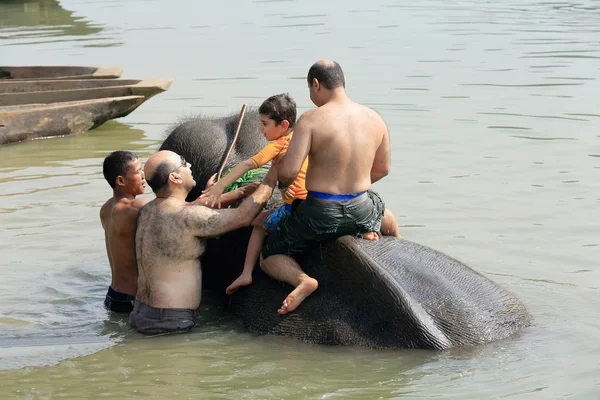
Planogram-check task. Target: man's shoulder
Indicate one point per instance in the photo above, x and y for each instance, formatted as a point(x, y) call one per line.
point(140, 202)
point(106, 206)
point(370, 112)
point(310, 114)
point(129, 207)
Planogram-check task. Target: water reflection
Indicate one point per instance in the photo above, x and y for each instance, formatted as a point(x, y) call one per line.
point(48, 14)
point(21, 20)
point(59, 151)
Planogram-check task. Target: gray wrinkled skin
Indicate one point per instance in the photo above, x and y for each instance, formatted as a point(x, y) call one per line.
point(391, 293)
point(204, 142)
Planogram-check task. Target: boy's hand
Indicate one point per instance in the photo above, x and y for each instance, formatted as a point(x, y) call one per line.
point(213, 195)
point(289, 193)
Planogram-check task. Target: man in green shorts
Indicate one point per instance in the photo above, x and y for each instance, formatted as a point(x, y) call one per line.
point(349, 149)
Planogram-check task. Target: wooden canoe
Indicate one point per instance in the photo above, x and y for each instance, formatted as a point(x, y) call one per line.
point(60, 72)
point(19, 86)
point(146, 88)
point(31, 121)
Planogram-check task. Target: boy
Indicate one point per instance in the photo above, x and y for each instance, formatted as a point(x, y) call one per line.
point(277, 115)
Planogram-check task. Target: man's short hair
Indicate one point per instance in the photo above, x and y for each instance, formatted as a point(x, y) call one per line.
point(116, 164)
point(329, 75)
point(279, 107)
point(160, 178)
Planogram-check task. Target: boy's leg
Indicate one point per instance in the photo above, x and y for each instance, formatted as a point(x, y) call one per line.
point(255, 245)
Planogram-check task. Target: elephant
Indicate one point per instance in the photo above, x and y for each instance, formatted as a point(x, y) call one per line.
point(388, 293)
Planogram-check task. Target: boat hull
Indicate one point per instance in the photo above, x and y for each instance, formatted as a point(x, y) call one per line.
point(59, 72)
point(146, 88)
point(59, 119)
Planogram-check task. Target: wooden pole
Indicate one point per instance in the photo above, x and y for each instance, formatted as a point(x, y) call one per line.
point(237, 131)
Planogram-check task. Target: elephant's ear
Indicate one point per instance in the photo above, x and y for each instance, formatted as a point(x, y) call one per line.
point(366, 269)
point(451, 302)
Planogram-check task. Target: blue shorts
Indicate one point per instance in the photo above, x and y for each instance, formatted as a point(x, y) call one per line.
point(273, 219)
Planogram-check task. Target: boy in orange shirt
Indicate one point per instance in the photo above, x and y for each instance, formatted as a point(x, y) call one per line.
point(277, 115)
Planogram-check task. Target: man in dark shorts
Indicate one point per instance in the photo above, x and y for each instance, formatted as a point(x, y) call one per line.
point(348, 148)
point(123, 172)
point(325, 216)
point(171, 236)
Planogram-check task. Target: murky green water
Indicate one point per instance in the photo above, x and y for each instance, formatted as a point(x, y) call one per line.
point(493, 114)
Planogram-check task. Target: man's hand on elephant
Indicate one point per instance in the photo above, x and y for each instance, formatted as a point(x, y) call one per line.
point(271, 177)
point(249, 189)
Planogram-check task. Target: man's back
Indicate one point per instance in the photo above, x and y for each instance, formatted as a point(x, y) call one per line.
point(345, 138)
point(118, 218)
point(167, 254)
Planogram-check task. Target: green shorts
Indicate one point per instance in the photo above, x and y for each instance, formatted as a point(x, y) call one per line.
point(316, 220)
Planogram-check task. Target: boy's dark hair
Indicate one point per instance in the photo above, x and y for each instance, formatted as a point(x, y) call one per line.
point(329, 75)
point(279, 107)
point(115, 164)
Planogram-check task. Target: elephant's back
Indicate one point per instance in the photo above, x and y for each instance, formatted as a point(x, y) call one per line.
point(386, 293)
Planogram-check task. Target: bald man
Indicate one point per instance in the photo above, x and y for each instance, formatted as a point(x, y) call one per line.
point(348, 147)
point(170, 239)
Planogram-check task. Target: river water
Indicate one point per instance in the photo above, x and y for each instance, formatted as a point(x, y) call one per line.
point(493, 113)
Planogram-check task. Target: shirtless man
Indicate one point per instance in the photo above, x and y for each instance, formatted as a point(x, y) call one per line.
point(170, 238)
point(123, 172)
point(348, 148)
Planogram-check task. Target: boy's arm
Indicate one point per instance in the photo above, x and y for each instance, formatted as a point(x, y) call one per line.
point(213, 194)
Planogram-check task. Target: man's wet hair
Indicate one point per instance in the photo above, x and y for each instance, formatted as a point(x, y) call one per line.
point(329, 75)
point(160, 178)
point(279, 107)
point(116, 164)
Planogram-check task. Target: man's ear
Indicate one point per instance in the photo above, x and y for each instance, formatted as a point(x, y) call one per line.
point(174, 177)
point(316, 84)
point(120, 180)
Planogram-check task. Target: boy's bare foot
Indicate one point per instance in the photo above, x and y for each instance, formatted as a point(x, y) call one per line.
point(371, 236)
point(242, 280)
point(302, 291)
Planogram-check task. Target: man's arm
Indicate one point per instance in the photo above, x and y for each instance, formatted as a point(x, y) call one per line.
point(207, 222)
point(382, 162)
point(297, 151)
